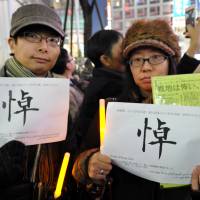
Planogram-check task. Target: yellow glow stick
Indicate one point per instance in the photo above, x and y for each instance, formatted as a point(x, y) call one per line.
point(61, 176)
point(102, 119)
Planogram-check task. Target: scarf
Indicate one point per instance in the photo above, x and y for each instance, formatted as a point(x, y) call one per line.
point(14, 68)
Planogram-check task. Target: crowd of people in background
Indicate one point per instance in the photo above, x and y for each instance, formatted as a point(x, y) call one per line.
point(123, 67)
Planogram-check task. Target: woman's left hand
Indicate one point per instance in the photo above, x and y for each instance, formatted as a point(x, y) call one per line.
point(99, 166)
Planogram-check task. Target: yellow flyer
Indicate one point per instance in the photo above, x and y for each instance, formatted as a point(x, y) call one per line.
point(177, 89)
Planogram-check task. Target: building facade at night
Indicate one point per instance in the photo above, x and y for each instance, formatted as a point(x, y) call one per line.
point(123, 12)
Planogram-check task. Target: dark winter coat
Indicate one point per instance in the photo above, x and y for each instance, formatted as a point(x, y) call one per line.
point(105, 83)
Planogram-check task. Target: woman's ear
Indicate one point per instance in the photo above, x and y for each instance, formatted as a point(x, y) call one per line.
point(105, 60)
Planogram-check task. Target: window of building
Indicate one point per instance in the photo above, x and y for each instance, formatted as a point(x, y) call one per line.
point(167, 9)
point(141, 2)
point(117, 3)
point(129, 2)
point(117, 15)
point(130, 13)
point(142, 12)
point(154, 1)
point(154, 11)
point(167, 1)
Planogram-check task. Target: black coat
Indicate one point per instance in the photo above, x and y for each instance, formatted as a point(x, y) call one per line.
point(105, 83)
point(187, 65)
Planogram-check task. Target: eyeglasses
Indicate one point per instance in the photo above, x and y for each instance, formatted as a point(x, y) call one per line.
point(52, 41)
point(153, 60)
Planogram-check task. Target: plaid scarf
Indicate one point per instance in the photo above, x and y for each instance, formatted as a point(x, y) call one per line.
point(15, 69)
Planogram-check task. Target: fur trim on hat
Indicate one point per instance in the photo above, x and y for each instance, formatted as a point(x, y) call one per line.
point(152, 33)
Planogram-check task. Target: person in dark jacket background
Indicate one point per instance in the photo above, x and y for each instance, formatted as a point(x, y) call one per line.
point(104, 49)
point(64, 68)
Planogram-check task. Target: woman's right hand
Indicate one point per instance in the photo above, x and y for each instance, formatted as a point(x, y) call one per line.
point(196, 178)
point(194, 34)
point(99, 166)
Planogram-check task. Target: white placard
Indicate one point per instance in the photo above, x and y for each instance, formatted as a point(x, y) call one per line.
point(33, 110)
point(157, 142)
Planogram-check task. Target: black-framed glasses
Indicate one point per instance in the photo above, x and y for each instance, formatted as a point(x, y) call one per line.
point(152, 60)
point(52, 41)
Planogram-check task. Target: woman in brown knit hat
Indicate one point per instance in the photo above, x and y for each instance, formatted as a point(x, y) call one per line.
point(150, 48)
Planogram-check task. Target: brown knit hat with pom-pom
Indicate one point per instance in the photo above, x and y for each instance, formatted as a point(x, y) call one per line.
point(151, 33)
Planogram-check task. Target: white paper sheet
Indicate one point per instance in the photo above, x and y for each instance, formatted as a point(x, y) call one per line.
point(165, 158)
point(33, 110)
